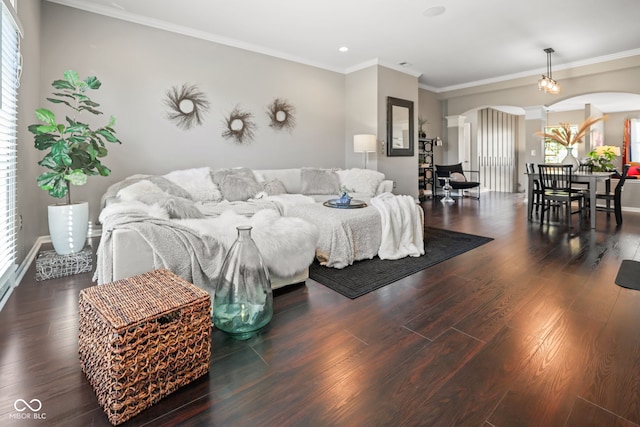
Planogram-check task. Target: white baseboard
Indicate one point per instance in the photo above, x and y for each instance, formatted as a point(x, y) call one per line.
point(31, 256)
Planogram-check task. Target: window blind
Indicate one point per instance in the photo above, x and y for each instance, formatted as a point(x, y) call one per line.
point(9, 82)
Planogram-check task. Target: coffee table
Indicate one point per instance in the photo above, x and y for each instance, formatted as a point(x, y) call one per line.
point(346, 235)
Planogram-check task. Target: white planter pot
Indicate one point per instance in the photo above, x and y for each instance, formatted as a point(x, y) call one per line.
point(68, 227)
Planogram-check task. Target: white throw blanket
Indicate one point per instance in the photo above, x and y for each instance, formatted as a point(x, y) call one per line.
point(195, 248)
point(402, 232)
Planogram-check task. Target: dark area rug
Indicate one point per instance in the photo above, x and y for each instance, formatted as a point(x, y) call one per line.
point(629, 275)
point(368, 275)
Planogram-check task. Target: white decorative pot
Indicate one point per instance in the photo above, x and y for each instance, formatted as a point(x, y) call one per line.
point(68, 227)
point(570, 159)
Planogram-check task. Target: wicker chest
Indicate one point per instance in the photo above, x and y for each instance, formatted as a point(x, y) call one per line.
point(142, 338)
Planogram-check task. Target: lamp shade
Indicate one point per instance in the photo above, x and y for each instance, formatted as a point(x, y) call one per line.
point(364, 143)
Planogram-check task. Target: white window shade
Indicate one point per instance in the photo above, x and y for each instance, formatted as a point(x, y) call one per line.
point(9, 82)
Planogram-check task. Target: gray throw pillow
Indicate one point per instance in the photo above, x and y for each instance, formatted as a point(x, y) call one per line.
point(274, 187)
point(237, 184)
point(239, 188)
point(169, 187)
point(220, 175)
point(320, 181)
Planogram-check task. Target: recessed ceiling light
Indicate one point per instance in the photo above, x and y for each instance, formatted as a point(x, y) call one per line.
point(343, 49)
point(434, 11)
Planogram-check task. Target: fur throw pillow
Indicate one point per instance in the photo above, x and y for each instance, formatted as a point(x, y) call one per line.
point(139, 189)
point(150, 194)
point(197, 182)
point(169, 187)
point(176, 207)
point(287, 244)
point(238, 184)
point(320, 181)
point(274, 187)
point(361, 181)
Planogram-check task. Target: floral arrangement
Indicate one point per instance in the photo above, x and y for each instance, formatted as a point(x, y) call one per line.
point(601, 158)
point(563, 135)
point(345, 197)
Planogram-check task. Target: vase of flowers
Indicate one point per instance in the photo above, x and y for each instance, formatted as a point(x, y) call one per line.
point(566, 137)
point(601, 158)
point(345, 198)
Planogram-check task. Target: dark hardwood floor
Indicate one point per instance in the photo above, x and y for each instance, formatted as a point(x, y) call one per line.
point(527, 330)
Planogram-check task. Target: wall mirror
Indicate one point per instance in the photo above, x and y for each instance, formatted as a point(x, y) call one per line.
point(399, 127)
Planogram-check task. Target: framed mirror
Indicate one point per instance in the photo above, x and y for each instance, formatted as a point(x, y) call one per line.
point(399, 127)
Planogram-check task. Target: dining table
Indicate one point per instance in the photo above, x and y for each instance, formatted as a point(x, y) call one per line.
point(589, 178)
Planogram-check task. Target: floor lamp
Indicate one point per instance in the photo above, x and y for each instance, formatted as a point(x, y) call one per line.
point(364, 144)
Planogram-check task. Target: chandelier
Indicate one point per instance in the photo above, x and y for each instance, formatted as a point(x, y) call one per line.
point(546, 82)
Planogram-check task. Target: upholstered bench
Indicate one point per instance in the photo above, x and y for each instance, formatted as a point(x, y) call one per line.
point(142, 338)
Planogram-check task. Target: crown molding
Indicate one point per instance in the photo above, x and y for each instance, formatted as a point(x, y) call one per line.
point(507, 77)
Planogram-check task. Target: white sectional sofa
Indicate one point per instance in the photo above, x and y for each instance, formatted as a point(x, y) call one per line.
point(182, 205)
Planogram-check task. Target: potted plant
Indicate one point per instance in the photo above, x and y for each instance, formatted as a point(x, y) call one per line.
point(421, 122)
point(601, 158)
point(73, 152)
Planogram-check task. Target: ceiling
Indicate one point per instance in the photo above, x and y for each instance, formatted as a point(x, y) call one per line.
point(472, 42)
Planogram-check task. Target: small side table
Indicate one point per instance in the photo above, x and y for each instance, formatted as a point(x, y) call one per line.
point(446, 188)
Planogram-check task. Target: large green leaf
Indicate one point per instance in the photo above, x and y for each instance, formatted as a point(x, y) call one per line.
point(34, 129)
point(93, 82)
point(89, 109)
point(76, 128)
point(48, 180)
point(102, 152)
point(73, 78)
point(50, 163)
point(92, 152)
point(47, 129)
point(45, 141)
point(60, 153)
point(90, 103)
point(62, 84)
point(60, 189)
point(46, 116)
point(103, 170)
point(108, 135)
point(76, 139)
point(62, 94)
point(76, 177)
point(60, 101)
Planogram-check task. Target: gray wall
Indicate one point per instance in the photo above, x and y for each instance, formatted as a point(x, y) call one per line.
point(361, 89)
point(429, 108)
point(137, 64)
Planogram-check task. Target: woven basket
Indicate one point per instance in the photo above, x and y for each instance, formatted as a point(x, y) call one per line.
point(142, 338)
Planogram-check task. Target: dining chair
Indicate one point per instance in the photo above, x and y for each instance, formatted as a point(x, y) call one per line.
point(537, 188)
point(556, 189)
point(583, 188)
point(614, 197)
